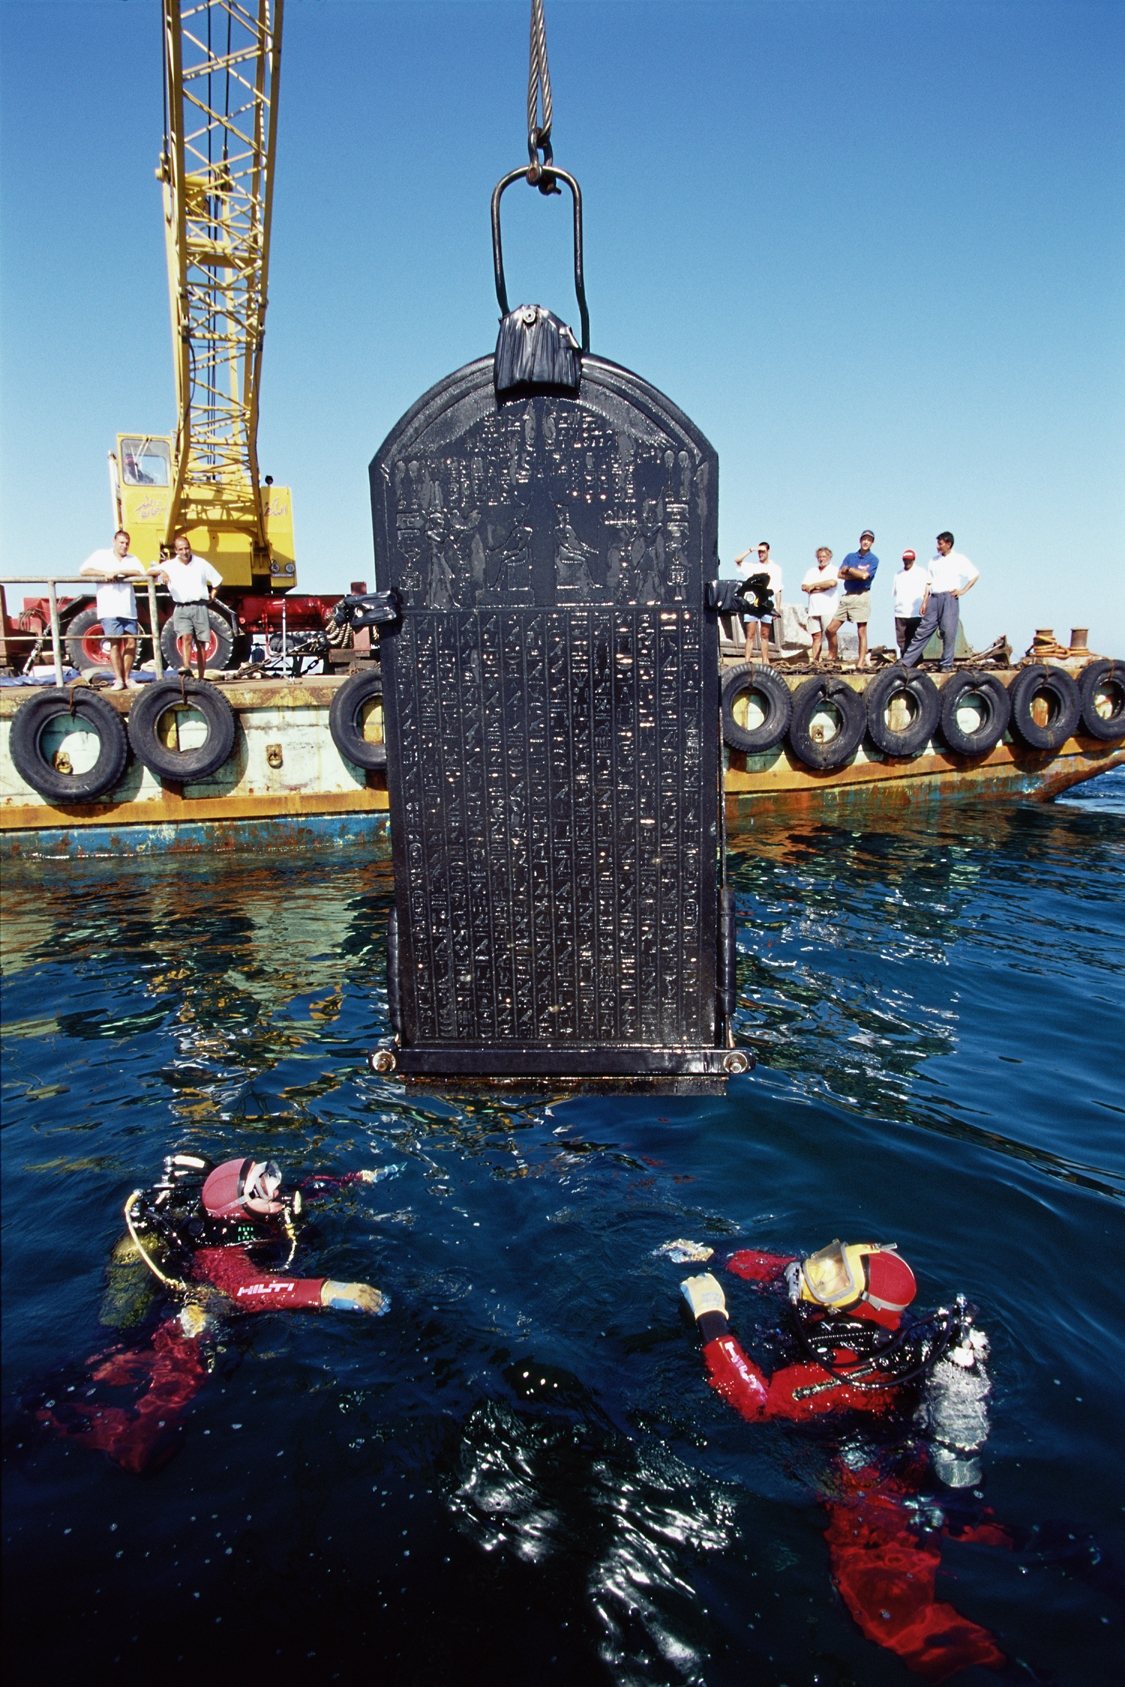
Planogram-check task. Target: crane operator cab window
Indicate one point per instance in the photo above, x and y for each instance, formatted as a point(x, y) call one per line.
point(145, 462)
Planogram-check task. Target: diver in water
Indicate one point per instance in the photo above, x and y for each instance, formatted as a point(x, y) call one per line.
point(221, 1239)
point(847, 1347)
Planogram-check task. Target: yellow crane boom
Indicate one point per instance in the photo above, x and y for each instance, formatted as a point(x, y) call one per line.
point(222, 65)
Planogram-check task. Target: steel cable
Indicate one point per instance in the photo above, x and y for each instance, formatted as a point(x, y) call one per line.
point(540, 102)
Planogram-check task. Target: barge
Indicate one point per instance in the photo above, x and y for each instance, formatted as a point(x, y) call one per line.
point(304, 761)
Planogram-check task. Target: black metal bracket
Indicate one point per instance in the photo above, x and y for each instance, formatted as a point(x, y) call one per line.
point(374, 609)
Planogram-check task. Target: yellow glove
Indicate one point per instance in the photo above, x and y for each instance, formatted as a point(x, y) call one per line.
point(354, 1297)
point(704, 1294)
point(193, 1320)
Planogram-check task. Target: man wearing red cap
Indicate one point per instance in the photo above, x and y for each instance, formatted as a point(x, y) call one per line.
point(909, 589)
point(851, 1351)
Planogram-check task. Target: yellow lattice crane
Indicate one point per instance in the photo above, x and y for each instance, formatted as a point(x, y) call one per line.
point(221, 67)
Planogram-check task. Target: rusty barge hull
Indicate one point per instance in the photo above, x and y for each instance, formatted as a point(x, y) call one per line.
point(287, 784)
point(284, 784)
point(756, 785)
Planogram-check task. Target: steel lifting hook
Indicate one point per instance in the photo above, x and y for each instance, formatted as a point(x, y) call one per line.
point(523, 174)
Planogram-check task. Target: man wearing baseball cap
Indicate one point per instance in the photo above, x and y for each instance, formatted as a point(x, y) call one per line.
point(909, 585)
point(856, 574)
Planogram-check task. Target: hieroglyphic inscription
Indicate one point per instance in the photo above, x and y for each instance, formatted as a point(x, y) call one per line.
point(550, 720)
point(567, 856)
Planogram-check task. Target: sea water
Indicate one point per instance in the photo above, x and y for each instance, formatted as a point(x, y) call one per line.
point(521, 1474)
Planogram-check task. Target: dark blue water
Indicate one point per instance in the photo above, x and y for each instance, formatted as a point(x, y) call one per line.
point(521, 1470)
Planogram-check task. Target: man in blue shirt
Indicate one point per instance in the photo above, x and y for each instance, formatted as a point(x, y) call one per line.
point(856, 574)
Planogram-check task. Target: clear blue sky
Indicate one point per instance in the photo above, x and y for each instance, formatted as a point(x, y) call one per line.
point(874, 248)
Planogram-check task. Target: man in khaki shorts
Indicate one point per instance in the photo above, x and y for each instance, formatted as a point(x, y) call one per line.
point(192, 582)
point(857, 571)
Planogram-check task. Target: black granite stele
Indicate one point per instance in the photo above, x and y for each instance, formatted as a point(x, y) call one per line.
point(552, 722)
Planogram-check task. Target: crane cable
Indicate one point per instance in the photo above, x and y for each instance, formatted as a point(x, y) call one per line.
point(539, 102)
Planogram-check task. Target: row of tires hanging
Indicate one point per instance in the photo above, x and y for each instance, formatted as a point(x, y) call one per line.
point(33, 725)
point(900, 712)
point(824, 721)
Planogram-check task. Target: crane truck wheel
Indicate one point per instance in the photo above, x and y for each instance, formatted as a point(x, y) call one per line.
point(70, 746)
point(86, 644)
point(177, 708)
point(218, 652)
point(347, 717)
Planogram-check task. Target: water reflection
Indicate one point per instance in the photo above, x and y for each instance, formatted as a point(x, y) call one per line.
point(868, 959)
point(622, 1522)
point(236, 976)
point(521, 1472)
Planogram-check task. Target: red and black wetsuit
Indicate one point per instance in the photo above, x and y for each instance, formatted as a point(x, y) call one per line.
point(165, 1372)
point(884, 1558)
point(233, 1271)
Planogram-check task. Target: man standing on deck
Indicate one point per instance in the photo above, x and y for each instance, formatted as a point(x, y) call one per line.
point(760, 594)
point(117, 568)
point(821, 586)
point(192, 582)
point(951, 576)
point(857, 571)
point(908, 588)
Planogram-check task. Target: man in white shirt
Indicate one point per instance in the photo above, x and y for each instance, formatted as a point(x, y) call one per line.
point(908, 589)
point(821, 586)
point(192, 582)
point(951, 576)
point(760, 593)
point(116, 603)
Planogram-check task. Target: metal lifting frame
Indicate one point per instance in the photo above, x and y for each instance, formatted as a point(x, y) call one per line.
point(222, 65)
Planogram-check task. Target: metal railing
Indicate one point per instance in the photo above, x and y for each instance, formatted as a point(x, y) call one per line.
point(54, 630)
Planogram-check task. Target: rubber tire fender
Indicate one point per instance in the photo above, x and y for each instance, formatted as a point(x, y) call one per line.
point(927, 700)
point(988, 734)
point(1105, 676)
point(1063, 698)
point(186, 767)
point(220, 645)
point(810, 697)
point(29, 724)
point(748, 678)
point(345, 725)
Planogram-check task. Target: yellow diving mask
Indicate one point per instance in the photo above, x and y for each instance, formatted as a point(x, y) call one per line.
point(836, 1276)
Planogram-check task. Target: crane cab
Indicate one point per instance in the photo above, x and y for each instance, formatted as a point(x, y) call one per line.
point(216, 516)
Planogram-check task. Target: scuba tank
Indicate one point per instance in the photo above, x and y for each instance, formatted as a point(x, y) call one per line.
point(152, 1250)
point(954, 1408)
point(130, 1287)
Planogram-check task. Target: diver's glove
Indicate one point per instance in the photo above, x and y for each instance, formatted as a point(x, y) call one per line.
point(685, 1252)
point(704, 1294)
point(194, 1320)
point(354, 1297)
